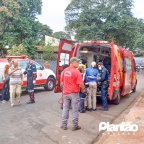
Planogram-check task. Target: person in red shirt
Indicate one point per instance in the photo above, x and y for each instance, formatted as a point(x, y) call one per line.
point(71, 81)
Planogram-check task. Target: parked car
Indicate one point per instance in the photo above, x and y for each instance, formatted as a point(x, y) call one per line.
point(45, 77)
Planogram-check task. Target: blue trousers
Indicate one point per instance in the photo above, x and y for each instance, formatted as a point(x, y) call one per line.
point(82, 98)
point(5, 91)
point(104, 91)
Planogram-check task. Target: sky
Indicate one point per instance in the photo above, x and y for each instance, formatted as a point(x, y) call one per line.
point(53, 13)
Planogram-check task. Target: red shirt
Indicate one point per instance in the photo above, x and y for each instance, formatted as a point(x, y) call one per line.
point(71, 78)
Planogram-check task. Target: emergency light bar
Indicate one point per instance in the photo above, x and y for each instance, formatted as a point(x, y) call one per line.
point(86, 41)
point(99, 42)
point(18, 57)
point(96, 42)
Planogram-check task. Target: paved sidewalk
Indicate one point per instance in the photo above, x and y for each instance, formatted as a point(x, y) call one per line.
point(134, 115)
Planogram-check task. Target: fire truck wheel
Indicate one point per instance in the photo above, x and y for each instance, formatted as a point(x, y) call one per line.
point(50, 84)
point(116, 101)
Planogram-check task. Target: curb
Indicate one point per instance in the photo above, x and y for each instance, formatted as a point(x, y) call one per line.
point(101, 138)
point(140, 97)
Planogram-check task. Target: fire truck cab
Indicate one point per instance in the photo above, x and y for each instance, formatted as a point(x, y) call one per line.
point(119, 62)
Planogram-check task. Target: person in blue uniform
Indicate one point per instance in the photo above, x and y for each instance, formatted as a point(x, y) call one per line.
point(31, 78)
point(104, 75)
point(91, 74)
point(107, 63)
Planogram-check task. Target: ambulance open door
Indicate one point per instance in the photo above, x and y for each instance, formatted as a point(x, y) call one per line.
point(127, 86)
point(65, 52)
point(112, 70)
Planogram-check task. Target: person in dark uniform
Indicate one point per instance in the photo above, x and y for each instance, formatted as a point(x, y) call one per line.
point(31, 77)
point(107, 63)
point(104, 85)
point(82, 94)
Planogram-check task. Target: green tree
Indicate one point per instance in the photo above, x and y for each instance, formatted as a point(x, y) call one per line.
point(17, 50)
point(30, 32)
point(61, 34)
point(19, 24)
point(48, 52)
point(42, 31)
point(26, 27)
point(103, 20)
point(9, 11)
point(139, 40)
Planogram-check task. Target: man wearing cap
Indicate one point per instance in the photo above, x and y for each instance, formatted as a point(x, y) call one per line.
point(71, 81)
point(91, 74)
point(104, 85)
point(31, 77)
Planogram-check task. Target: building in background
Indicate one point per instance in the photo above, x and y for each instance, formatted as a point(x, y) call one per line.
point(48, 40)
point(53, 41)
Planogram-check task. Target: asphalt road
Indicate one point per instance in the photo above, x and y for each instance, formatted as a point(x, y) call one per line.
point(39, 123)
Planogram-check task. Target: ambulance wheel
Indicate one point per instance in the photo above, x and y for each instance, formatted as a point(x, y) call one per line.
point(50, 84)
point(116, 101)
point(134, 89)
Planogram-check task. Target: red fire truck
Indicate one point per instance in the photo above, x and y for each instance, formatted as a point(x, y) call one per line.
point(123, 79)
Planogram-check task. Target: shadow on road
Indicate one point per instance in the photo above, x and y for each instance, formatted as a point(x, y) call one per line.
point(36, 90)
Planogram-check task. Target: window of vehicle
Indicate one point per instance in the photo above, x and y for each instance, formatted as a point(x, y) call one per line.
point(38, 67)
point(122, 63)
point(22, 63)
point(128, 65)
point(64, 59)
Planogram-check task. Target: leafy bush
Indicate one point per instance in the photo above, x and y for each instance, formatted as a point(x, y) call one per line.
point(48, 53)
point(17, 50)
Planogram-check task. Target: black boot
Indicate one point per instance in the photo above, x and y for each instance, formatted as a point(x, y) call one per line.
point(31, 101)
point(31, 95)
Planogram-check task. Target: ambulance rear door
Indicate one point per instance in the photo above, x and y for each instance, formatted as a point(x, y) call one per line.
point(65, 52)
point(134, 75)
point(127, 85)
point(112, 71)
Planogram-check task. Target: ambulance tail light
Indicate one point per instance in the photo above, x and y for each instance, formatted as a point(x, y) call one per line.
point(114, 77)
point(115, 81)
